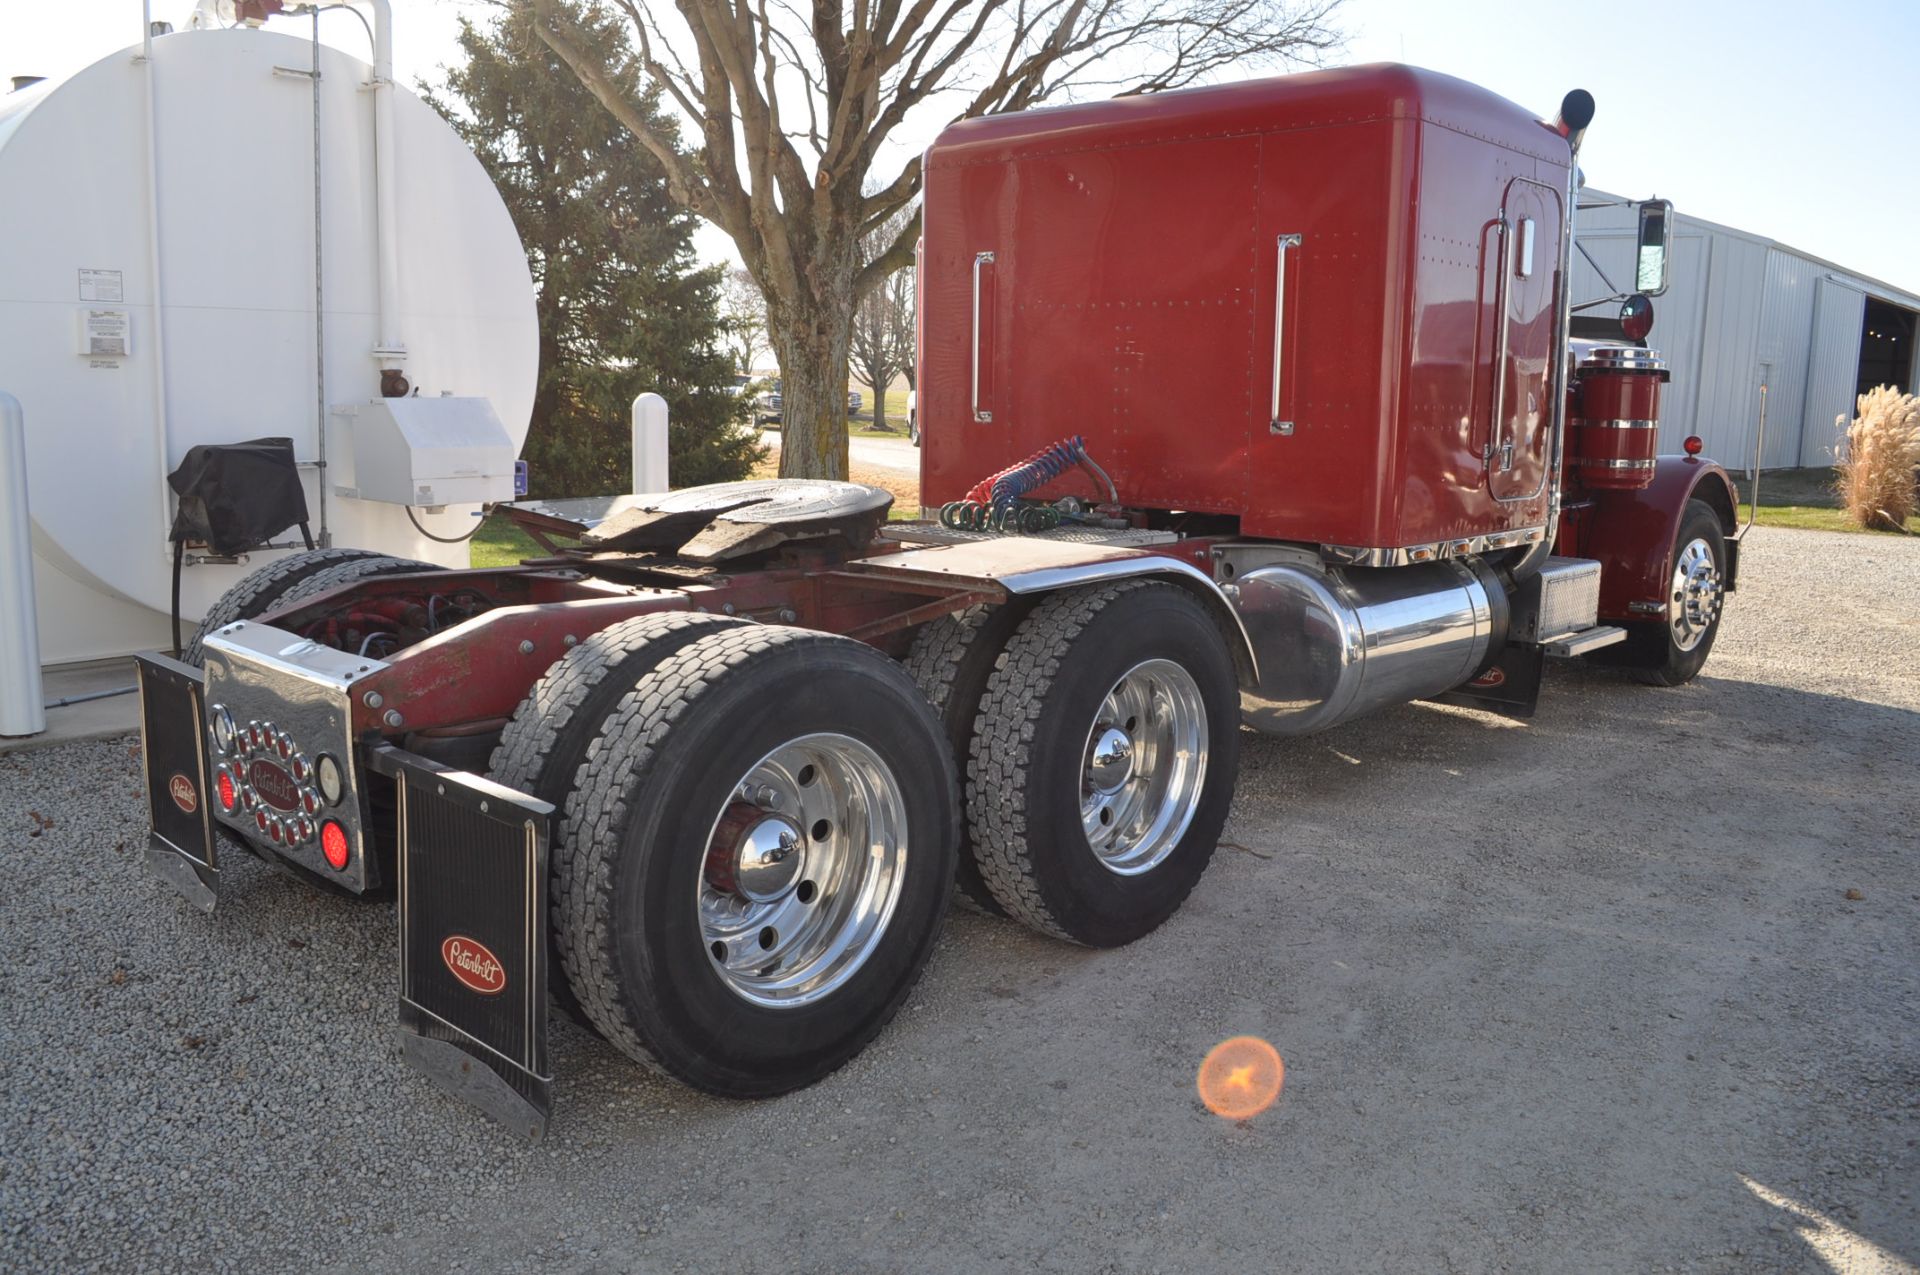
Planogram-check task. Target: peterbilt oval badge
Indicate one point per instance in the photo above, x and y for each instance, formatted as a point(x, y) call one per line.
point(1489, 679)
point(275, 785)
point(180, 788)
point(473, 964)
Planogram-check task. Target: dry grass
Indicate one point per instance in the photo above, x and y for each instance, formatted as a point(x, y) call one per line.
point(1882, 448)
point(905, 487)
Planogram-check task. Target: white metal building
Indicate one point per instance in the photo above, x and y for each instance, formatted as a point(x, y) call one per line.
point(1742, 311)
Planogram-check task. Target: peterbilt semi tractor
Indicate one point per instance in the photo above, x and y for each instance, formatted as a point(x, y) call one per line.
point(1259, 403)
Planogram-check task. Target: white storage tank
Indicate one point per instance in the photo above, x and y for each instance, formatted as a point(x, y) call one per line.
point(115, 388)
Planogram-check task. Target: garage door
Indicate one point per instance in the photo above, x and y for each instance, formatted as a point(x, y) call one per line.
point(1833, 367)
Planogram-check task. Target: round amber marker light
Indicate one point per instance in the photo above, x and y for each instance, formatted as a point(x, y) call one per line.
point(1241, 1077)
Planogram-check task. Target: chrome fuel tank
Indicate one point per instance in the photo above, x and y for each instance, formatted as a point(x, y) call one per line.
point(1333, 643)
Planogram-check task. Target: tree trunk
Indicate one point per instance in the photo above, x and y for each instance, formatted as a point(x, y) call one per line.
point(877, 374)
point(812, 342)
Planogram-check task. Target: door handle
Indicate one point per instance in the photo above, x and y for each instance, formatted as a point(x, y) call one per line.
point(979, 259)
point(1282, 246)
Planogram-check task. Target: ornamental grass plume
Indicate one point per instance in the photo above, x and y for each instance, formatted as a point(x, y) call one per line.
point(1878, 458)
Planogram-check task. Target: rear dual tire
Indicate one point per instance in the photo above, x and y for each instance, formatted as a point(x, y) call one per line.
point(288, 580)
point(1102, 761)
point(669, 943)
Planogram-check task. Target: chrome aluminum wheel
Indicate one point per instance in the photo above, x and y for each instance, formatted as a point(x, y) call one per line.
point(804, 867)
point(1697, 594)
point(1145, 764)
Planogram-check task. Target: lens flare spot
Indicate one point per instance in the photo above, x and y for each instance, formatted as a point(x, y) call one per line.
point(1241, 1077)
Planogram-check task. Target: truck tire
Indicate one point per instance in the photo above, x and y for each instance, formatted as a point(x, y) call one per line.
point(1103, 761)
point(1672, 652)
point(760, 854)
point(268, 588)
point(950, 661)
point(546, 739)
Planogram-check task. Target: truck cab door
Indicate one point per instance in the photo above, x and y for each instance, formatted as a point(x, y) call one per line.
point(1526, 296)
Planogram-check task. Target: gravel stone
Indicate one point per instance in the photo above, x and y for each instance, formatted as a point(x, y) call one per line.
point(1581, 993)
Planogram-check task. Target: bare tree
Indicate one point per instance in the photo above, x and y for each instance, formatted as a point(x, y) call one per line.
point(743, 317)
point(882, 338)
point(792, 106)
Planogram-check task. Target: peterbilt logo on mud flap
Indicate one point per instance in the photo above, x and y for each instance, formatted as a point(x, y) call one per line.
point(275, 785)
point(1491, 678)
point(180, 788)
point(474, 965)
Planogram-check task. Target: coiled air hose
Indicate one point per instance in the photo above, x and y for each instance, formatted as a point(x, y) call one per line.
point(994, 503)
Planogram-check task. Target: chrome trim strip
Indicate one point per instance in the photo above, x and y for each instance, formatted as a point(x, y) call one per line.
point(405, 872)
point(532, 998)
point(1497, 429)
point(1617, 422)
point(1283, 244)
point(1622, 358)
point(1435, 551)
point(1605, 463)
point(979, 259)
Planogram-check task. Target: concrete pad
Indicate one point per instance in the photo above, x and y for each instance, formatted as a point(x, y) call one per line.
point(91, 718)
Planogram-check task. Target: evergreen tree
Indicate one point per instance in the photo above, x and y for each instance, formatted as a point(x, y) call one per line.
point(623, 306)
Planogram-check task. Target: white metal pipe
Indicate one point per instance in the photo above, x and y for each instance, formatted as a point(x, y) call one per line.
point(389, 350)
point(22, 710)
point(649, 444)
point(163, 432)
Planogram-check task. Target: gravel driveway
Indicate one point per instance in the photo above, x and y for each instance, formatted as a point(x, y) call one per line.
point(1633, 986)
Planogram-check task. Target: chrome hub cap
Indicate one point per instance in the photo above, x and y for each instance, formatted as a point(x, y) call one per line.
point(1146, 763)
point(1111, 763)
point(804, 868)
point(1694, 603)
point(768, 860)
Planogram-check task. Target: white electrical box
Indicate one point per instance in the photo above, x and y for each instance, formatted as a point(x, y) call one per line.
point(430, 451)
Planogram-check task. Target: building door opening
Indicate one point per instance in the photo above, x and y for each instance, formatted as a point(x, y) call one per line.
point(1886, 346)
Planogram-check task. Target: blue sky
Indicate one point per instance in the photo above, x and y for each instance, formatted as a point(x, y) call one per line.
point(1793, 121)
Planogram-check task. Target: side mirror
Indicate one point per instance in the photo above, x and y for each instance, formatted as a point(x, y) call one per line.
point(1655, 247)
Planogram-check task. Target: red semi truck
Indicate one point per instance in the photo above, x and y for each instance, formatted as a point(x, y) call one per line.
point(1257, 403)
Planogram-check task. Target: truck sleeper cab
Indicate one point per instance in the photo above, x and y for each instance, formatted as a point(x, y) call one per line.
point(1282, 452)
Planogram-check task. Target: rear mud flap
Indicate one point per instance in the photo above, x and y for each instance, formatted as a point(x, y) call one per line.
point(473, 938)
point(173, 725)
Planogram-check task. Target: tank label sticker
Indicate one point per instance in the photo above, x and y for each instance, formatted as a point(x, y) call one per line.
point(180, 788)
point(103, 333)
point(474, 965)
point(102, 285)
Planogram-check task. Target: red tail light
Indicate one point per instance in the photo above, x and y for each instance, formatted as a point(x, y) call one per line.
point(333, 844)
point(229, 795)
point(1693, 445)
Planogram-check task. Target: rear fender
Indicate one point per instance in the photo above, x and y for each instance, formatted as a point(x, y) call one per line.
point(1025, 566)
point(1631, 533)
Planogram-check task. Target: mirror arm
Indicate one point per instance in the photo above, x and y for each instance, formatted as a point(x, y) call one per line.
point(1596, 269)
